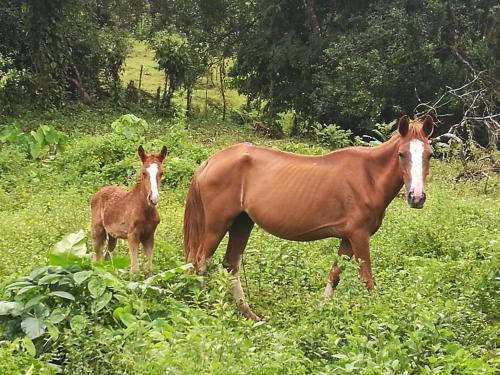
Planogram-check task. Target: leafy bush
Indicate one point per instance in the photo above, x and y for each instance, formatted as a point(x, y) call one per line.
point(130, 126)
point(54, 305)
point(44, 142)
point(332, 136)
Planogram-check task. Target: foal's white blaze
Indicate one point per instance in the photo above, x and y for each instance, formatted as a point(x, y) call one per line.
point(416, 172)
point(153, 171)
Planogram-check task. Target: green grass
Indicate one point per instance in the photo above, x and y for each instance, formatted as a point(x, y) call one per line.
point(141, 54)
point(434, 309)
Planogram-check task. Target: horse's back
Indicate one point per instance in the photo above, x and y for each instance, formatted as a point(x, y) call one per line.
point(106, 194)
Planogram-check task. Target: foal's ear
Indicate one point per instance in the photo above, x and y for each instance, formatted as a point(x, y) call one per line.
point(163, 153)
point(403, 125)
point(141, 153)
point(427, 125)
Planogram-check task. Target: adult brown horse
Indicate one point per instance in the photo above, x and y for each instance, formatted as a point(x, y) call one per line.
point(116, 213)
point(342, 194)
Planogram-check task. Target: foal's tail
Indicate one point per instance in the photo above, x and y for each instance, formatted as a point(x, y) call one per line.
point(194, 223)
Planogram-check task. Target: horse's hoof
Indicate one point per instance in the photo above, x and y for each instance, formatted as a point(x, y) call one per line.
point(249, 314)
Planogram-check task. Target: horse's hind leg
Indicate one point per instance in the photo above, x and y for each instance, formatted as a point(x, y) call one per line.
point(334, 275)
point(238, 238)
point(215, 232)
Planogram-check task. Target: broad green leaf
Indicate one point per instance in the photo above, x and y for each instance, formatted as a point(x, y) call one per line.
point(127, 318)
point(102, 301)
point(29, 346)
point(18, 284)
point(34, 301)
point(66, 259)
point(38, 135)
point(62, 294)
point(37, 272)
point(96, 287)
point(73, 243)
point(10, 308)
point(48, 279)
point(35, 149)
point(27, 289)
point(78, 323)
point(33, 327)
point(81, 276)
point(53, 331)
point(57, 316)
point(120, 310)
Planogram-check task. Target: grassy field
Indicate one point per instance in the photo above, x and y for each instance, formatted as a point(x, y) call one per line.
point(141, 54)
point(434, 310)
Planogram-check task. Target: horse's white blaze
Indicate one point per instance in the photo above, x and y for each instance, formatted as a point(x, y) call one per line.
point(153, 171)
point(416, 172)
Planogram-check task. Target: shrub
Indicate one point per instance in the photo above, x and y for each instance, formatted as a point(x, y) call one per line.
point(332, 136)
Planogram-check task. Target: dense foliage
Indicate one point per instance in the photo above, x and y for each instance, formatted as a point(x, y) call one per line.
point(434, 310)
point(59, 50)
point(355, 63)
point(346, 63)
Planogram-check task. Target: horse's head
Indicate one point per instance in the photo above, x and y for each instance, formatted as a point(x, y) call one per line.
point(151, 172)
point(414, 155)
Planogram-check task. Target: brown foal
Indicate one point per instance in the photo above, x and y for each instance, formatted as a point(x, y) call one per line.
point(116, 213)
point(342, 194)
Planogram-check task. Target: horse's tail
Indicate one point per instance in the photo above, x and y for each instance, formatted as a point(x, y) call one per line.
point(194, 223)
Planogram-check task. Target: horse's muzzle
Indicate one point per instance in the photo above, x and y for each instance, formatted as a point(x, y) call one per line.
point(153, 200)
point(416, 201)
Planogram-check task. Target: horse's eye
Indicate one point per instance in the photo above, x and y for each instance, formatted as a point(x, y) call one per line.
point(401, 155)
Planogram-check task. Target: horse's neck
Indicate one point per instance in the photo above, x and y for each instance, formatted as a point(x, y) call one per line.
point(138, 194)
point(383, 166)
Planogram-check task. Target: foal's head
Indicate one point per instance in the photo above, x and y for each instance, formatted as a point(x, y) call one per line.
point(414, 155)
point(151, 171)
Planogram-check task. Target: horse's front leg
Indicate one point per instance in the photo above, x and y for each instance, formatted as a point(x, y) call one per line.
point(133, 245)
point(360, 243)
point(147, 246)
point(334, 275)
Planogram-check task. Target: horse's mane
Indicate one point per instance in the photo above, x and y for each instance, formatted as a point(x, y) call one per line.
point(415, 130)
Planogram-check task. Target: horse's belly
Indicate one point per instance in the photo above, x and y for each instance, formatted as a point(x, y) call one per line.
point(117, 231)
point(298, 229)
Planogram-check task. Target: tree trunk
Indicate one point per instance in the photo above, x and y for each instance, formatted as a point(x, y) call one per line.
point(222, 73)
point(206, 99)
point(188, 101)
point(312, 20)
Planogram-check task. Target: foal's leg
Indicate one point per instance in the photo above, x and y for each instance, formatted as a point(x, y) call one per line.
point(238, 238)
point(133, 245)
point(147, 247)
point(361, 249)
point(111, 246)
point(334, 275)
point(98, 240)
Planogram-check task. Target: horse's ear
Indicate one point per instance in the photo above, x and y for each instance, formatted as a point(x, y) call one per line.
point(163, 153)
point(141, 153)
point(403, 125)
point(427, 125)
